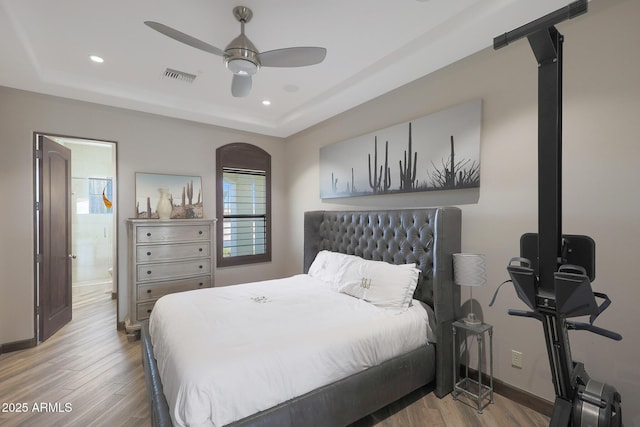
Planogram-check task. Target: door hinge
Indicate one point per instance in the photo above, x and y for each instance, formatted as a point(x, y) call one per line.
point(38, 154)
point(38, 310)
point(38, 258)
point(36, 205)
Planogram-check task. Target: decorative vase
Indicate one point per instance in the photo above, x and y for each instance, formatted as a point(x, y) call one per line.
point(164, 207)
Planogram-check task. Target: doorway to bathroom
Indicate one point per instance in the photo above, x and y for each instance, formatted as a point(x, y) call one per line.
point(93, 222)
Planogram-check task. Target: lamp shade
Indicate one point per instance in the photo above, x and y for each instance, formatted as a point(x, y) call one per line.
point(469, 269)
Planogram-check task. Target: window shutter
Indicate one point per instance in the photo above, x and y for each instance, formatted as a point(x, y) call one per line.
point(245, 212)
point(243, 205)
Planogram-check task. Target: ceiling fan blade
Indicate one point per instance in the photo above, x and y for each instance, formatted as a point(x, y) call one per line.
point(292, 57)
point(184, 38)
point(240, 86)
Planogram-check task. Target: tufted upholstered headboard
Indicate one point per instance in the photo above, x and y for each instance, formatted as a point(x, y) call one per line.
point(427, 237)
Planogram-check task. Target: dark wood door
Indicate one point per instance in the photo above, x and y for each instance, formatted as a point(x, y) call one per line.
point(54, 236)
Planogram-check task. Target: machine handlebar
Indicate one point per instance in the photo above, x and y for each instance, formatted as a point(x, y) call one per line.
point(578, 326)
point(523, 313)
point(596, 330)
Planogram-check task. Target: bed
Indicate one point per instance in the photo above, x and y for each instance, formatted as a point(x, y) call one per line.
point(426, 237)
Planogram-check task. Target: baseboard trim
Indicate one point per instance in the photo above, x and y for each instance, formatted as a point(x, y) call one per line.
point(17, 345)
point(515, 394)
point(524, 398)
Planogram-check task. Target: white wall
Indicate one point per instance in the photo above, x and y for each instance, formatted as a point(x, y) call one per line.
point(145, 143)
point(601, 182)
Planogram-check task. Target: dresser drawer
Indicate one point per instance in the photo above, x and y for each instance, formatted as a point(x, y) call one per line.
point(165, 257)
point(168, 270)
point(143, 309)
point(156, 290)
point(174, 233)
point(172, 251)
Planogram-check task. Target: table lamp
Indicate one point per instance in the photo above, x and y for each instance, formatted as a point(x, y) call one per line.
point(470, 270)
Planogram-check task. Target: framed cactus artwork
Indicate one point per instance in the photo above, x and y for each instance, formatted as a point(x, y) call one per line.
point(162, 196)
point(440, 151)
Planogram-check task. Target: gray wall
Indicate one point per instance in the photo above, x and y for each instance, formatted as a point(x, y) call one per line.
point(601, 182)
point(601, 178)
point(145, 143)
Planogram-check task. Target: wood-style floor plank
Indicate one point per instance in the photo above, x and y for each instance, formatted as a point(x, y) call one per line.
point(88, 374)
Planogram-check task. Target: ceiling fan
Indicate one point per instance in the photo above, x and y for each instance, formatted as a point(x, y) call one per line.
point(242, 58)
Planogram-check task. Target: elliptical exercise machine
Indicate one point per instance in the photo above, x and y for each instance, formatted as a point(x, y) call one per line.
point(554, 272)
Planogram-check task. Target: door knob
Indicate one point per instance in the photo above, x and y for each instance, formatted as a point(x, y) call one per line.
point(72, 256)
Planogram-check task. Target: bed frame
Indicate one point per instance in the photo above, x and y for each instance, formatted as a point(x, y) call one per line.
point(427, 237)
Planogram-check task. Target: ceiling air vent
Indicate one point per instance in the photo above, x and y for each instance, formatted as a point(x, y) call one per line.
point(179, 75)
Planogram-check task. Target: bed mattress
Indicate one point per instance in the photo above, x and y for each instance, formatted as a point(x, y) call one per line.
point(226, 353)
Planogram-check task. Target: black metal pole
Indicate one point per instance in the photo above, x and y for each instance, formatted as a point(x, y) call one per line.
point(546, 43)
point(547, 48)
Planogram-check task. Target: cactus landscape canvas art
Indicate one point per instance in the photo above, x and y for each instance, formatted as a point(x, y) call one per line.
point(440, 151)
point(180, 195)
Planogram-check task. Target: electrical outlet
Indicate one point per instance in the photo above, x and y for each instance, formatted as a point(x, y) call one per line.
point(516, 359)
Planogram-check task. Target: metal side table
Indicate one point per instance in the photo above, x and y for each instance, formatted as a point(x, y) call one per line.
point(472, 388)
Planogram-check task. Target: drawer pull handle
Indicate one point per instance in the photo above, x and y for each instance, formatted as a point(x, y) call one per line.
point(148, 271)
point(200, 232)
point(148, 253)
point(149, 311)
point(200, 249)
point(200, 284)
point(199, 266)
point(148, 291)
point(148, 234)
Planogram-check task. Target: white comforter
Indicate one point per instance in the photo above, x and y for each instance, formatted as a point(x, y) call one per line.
point(226, 353)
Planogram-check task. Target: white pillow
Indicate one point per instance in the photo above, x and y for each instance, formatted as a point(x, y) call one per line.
point(385, 285)
point(317, 267)
point(326, 266)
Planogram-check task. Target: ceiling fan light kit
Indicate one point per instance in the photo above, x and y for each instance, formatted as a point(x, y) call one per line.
point(241, 57)
point(241, 66)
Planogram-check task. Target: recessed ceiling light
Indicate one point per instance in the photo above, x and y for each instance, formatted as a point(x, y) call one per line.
point(96, 58)
point(266, 102)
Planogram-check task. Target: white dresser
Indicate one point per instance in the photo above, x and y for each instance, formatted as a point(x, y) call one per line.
point(166, 257)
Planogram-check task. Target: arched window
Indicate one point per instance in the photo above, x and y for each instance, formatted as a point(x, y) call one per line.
point(243, 204)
